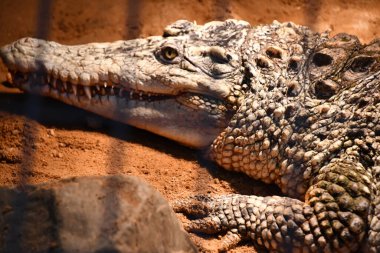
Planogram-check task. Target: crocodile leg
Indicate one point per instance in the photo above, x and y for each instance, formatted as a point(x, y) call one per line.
point(333, 217)
point(322, 153)
point(277, 102)
point(374, 218)
point(201, 206)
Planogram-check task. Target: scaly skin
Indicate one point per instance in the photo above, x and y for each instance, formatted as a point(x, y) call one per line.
point(137, 82)
point(297, 109)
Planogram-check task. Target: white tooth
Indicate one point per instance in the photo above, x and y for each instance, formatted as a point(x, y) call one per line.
point(131, 94)
point(55, 73)
point(141, 94)
point(9, 78)
point(54, 83)
point(75, 89)
point(94, 78)
point(105, 84)
point(63, 75)
point(97, 87)
point(103, 91)
point(87, 91)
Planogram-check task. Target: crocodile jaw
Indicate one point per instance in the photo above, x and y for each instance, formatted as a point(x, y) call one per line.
point(119, 87)
point(166, 117)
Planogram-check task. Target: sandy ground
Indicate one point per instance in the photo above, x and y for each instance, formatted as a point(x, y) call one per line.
point(43, 140)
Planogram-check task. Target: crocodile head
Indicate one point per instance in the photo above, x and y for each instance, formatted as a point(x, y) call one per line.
point(184, 85)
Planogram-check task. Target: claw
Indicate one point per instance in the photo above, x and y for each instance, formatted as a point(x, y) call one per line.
point(209, 225)
point(217, 215)
point(226, 242)
point(229, 241)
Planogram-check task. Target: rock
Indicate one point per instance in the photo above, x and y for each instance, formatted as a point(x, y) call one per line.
point(89, 214)
point(51, 132)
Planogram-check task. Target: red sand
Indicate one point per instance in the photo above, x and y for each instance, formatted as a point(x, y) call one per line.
point(50, 140)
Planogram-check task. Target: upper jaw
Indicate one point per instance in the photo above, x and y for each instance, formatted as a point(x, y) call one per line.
point(98, 69)
point(93, 68)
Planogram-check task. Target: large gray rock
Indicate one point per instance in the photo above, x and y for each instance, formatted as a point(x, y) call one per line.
point(91, 214)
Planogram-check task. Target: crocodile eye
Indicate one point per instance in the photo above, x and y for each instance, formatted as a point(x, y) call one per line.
point(325, 89)
point(169, 53)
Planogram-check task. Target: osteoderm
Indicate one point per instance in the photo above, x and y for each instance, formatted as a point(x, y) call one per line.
point(277, 102)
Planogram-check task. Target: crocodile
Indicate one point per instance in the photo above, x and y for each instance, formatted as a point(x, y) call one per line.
point(278, 102)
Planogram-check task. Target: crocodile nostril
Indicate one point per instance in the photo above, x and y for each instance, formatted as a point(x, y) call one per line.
point(263, 62)
point(274, 52)
point(325, 89)
point(362, 64)
point(320, 59)
point(363, 102)
point(294, 89)
point(294, 63)
point(219, 54)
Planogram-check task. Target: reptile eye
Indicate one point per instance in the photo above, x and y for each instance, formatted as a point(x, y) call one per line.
point(169, 53)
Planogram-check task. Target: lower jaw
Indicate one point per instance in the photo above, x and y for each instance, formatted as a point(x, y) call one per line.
point(166, 116)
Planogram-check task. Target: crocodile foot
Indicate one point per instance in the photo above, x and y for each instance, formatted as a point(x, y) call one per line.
point(220, 215)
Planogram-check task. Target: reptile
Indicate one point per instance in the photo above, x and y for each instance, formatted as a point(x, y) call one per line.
point(277, 102)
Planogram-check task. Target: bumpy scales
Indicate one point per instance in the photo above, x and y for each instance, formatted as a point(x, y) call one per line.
point(277, 102)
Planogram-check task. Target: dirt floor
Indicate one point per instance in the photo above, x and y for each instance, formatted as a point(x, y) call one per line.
point(42, 140)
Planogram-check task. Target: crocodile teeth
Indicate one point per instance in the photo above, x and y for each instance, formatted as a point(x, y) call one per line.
point(75, 89)
point(103, 91)
point(9, 78)
point(54, 83)
point(87, 91)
